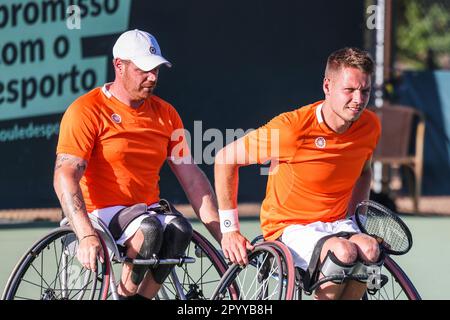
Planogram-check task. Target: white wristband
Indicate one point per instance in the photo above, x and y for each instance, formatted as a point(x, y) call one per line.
point(229, 220)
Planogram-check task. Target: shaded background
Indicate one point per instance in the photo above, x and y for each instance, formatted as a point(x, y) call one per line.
point(236, 64)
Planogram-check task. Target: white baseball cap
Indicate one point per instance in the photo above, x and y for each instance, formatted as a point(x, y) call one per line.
point(141, 48)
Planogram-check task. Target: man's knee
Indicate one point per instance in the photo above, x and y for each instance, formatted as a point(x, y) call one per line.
point(345, 251)
point(179, 230)
point(368, 249)
point(152, 231)
point(177, 236)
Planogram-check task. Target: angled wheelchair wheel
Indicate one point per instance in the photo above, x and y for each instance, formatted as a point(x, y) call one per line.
point(289, 271)
point(196, 281)
point(51, 271)
point(263, 278)
point(392, 284)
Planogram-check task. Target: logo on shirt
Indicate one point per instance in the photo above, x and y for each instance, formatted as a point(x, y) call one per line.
point(321, 142)
point(116, 118)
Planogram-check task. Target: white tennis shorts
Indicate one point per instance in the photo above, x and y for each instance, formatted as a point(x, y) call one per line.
point(106, 215)
point(301, 239)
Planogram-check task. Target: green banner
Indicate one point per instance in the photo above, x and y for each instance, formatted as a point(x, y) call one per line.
point(43, 66)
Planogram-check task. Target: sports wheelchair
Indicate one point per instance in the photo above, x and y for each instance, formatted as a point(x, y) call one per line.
point(271, 274)
point(49, 270)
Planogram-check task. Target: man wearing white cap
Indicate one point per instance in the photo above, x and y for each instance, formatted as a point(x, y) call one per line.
point(113, 142)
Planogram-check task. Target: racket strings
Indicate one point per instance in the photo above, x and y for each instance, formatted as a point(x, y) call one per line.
point(384, 225)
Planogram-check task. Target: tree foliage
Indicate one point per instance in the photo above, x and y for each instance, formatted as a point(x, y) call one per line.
point(423, 28)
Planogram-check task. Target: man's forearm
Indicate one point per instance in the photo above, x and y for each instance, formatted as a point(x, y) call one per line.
point(68, 172)
point(361, 191)
point(73, 206)
point(226, 182)
point(203, 200)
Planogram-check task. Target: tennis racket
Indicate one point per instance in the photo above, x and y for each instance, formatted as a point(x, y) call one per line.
point(385, 226)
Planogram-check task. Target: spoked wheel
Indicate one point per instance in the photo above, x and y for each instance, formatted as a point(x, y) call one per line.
point(261, 279)
point(51, 271)
point(289, 271)
point(391, 284)
point(196, 281)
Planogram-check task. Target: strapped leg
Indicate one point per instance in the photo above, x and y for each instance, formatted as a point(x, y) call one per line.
point(364, 270)
point(346, 254)
point(176, 238)
point(332, 266)
point(152, 231)
point(313, 273)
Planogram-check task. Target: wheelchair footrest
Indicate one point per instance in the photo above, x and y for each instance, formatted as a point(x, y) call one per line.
point(155, 261)
point(374, 287)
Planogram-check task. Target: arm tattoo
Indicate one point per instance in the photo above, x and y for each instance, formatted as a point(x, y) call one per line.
point(78, 203)
point(76, 163)
point(81, 167)
point(60, 160)
point(70, 196)
point(73, 204)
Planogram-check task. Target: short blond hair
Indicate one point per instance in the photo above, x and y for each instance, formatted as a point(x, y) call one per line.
point(350, 58)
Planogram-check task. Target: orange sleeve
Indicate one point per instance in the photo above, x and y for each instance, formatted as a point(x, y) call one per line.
point(275, 140)
point(178, 147)
point(78, 132)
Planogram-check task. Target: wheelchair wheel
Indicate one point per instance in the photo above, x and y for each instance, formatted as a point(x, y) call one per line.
point(395, 284)
point(51, 271)
point(289, 271)
point(261, 279)
point(196, 281)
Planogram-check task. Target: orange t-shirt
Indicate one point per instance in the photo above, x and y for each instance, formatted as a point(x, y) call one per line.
point(125, 147)
point(313, 168)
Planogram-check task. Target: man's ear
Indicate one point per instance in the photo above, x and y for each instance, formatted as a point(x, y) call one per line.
point(119, 65)
point(326, 86)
